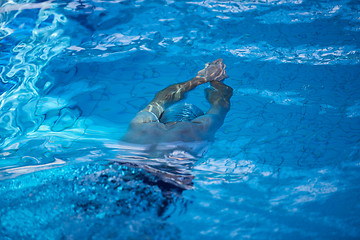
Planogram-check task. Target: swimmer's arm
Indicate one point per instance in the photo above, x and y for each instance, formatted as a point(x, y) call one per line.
point(214, 71)
point(219, 98)
point(171, 95)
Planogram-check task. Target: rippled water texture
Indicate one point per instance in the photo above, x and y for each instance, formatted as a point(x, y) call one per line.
point(285, 164)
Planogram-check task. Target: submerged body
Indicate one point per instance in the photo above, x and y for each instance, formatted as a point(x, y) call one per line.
point(171, 136)
point(202, 129)
point(149, 126)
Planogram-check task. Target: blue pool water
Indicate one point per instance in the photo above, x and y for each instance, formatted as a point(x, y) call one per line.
point(284, 165)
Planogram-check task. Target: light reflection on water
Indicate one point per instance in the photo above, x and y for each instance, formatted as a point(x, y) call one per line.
point(285, 164)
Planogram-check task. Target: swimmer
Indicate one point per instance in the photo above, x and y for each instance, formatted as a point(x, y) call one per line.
point(165, 127)
point(164, 120)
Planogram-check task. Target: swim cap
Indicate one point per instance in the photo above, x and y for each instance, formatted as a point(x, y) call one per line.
point(181, 112)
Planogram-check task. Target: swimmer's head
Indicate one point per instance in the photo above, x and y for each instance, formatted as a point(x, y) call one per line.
point(181, 112)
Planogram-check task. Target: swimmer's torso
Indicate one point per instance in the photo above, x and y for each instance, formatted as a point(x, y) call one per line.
point(155, 132)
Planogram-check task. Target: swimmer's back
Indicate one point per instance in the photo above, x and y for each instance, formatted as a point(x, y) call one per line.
point(156, 132)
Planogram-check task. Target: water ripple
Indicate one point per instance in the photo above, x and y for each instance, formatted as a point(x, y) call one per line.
point(313, 55)
point(29, 58)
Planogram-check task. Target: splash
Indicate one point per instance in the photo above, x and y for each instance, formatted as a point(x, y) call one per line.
point(29, 57)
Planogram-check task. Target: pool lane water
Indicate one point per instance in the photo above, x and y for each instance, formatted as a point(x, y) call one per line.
point(284, 165)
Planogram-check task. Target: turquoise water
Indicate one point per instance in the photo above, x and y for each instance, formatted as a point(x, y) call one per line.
point(284, 165)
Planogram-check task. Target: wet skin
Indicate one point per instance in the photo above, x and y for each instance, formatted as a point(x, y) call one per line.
point(145, 128)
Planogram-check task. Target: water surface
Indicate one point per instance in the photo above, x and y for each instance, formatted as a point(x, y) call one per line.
point(285, 164)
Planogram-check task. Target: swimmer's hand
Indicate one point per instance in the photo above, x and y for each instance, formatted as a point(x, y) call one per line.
point(214, 71)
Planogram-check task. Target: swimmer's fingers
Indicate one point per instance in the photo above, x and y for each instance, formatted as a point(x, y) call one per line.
point(201, 73)
point(221, 75)
point(213, 71)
